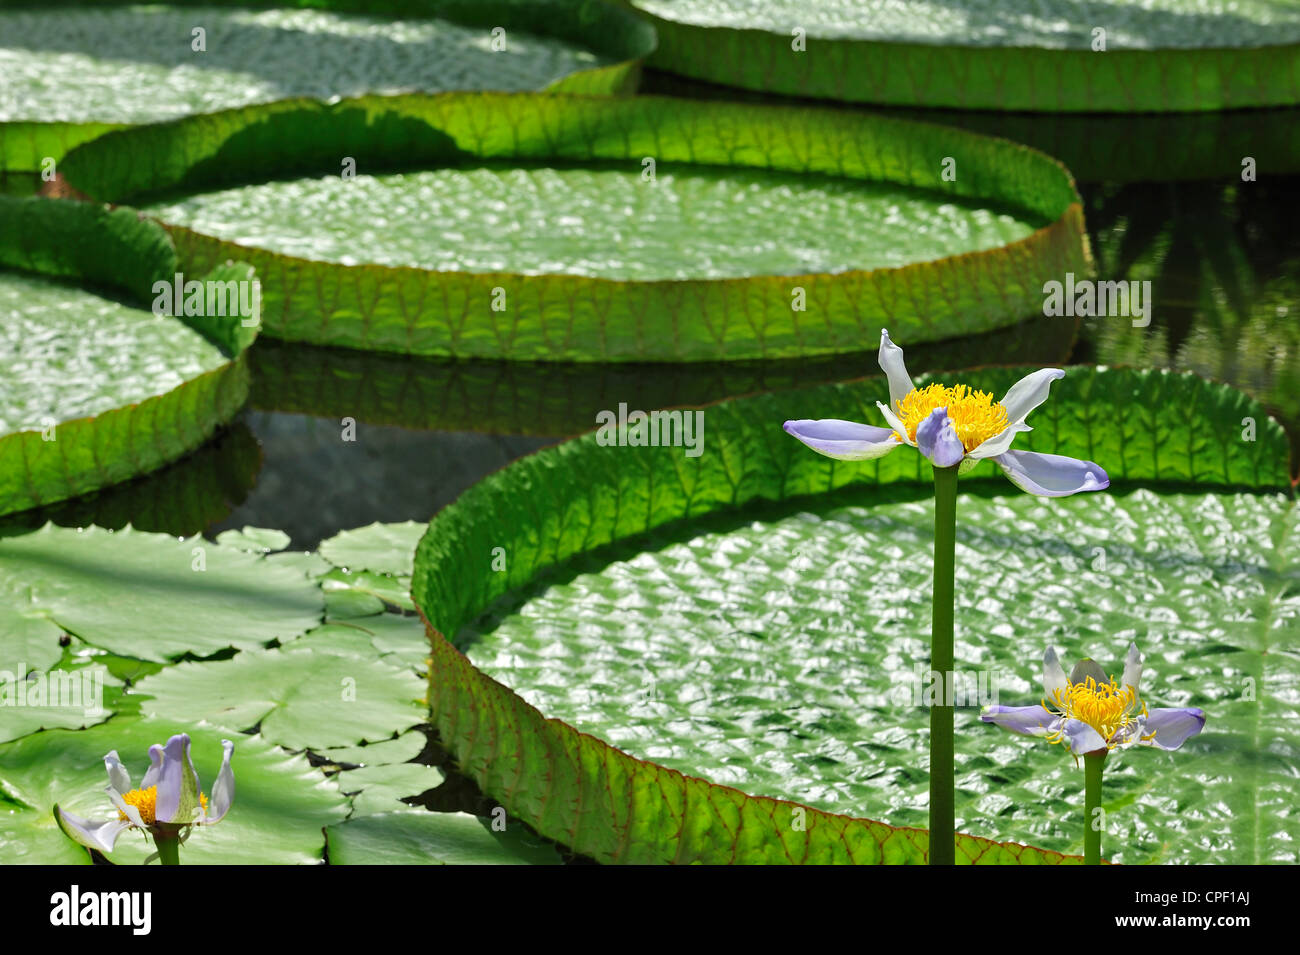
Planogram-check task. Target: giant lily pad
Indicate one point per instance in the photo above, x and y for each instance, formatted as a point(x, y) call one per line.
point(1157, 55)
point(99, 390)
point(773, 573)
point(281, 802)
point(966, 229)
point(72, 74)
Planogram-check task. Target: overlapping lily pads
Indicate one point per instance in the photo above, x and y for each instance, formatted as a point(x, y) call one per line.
point(72, 74)
point(717, 523)
point(969, 227)
point(97, 389)
point(288, 801)
point(1062, 55)
point(415, 837)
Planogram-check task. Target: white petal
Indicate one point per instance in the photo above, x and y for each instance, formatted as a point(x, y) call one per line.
point(1133, 668)
point(992, 447)
point(1172, 727)
point(223, 790)
point(1053, 675)
point(1029, 392)
point(118, 777)
point(896, 423)
point(123, 806)
point(94, 835)
point(891, 363)
point(1083, 738)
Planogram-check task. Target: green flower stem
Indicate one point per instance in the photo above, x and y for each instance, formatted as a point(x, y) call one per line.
point(942, 817)
point(169, 849)
point(1092, 767)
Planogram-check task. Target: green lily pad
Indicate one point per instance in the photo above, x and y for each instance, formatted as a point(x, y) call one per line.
point(403, 749)
point(381, 548)
point(255, 540)
point(308, 695)
point(582, 501)
point(105, 390)
point(397, 639)
point(72, 74)
point(281, 802)
point(78, 692)
point(947, 255)
point(416, 837)
point(382, 788)
point(1154, 55)
point(154, 597)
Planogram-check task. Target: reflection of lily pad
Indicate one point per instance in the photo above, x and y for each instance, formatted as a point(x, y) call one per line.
point(1045, 55)
point(975, 248)
point(74, 73)
point(561, 505)
point(548, 399)
point(281, 802)
point(152, 596)
point(415, 837)
point(301, 696)
point(101, 390)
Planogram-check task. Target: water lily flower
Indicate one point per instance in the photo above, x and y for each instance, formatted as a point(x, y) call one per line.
point(1090, 712)
point(167, 803)
point(955, 426)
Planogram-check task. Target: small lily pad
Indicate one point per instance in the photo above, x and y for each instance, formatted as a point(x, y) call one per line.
point(255, 540)
point(381, 788)
point(381, 548)
point(416, 837)
point(154, 597)
point(310, 696)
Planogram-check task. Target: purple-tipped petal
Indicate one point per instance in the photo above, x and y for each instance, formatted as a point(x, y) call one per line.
point(93, 835)
point(1173, 727)
point(118, 777)
point(891, 363)
point(1051, 475)
point(178, 784)
point(843, 440)
point(1030, 720)
point(1053, 675)
point(937, 439)
point(155, 767)
point(223, 790)
point(1082, 737)
point(1029, 392)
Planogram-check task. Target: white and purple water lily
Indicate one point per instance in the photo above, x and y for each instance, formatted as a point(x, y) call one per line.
point(1089, 712)
point(955, 426)
point(167, 803)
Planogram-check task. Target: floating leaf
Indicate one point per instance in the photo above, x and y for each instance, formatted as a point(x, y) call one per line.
point(381, 788)
point(104, 391)
point(281, 802)
point(72, 74)
point(989, 54)
point(772, 306)
point(255, 540)
point(416, 837)
point(572, 500)
point(308, 695)
point(381, 548)
point(152, 596)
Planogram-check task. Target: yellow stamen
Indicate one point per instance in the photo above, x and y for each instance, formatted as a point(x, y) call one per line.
point(1106, 707)
point(146, 803)
point(975, 416)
